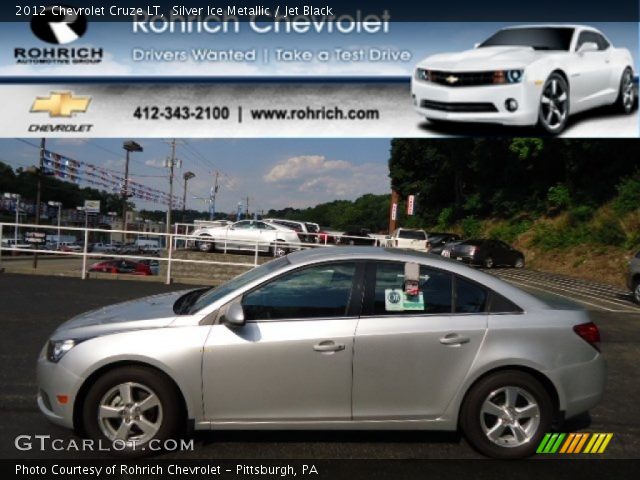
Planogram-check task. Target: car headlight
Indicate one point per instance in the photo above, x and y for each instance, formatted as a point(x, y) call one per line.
point(56, 349)
point(423, 74)
point(508, 76)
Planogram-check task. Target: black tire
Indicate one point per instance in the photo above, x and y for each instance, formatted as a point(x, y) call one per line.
point(519, 263)
point(169, 418)
point(278, 249)
point(206, 245)
point(471, 419)
point(626, 101)
point(488, 263)
point(554, 124)
point(636, 291)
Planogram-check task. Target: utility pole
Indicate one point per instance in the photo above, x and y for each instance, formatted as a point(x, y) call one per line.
point(247, 206)
point(214, 192)
point(39, 197)
point(187, 176)
point(172, 163)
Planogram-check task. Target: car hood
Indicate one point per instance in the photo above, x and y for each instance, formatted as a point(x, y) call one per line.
point(149, 312)
point(485, 58)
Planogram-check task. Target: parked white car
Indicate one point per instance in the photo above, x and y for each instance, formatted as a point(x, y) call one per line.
point(245, 235)
point(526, 75)
point(408, 238)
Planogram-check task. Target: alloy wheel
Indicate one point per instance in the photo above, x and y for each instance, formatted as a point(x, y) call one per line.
point(636, 293)
point(628, 91)
point(130, 413)
point(510, 416)
point(554, 104)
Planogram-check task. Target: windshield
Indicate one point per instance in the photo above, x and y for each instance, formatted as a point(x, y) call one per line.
point(539, 38)
point(213, 295)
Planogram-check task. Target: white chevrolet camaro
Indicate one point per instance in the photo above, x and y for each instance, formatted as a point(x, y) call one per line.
point(526, 75)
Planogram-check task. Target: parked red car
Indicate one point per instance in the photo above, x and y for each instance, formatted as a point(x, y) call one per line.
point(121, 266)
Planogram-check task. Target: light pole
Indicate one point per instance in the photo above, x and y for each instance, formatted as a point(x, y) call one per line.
point(129, 146)
point(59, 205)
point(16, 197)
point(187, 176)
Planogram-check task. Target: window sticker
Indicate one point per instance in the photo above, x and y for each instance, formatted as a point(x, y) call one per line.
point(396, 300)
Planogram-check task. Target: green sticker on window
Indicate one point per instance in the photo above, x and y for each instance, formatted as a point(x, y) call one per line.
point(396, 300)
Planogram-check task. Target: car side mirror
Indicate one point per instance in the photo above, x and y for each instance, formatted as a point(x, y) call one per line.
point(234, 316)
point(588, 47)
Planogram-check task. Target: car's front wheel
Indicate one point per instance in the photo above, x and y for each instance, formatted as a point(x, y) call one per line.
point(553, 111)
point(505, 415)
point(129, 407)
point(205, 244)
point(636, 291)
point(627, 95)
point(519, 263)
point(488, 262)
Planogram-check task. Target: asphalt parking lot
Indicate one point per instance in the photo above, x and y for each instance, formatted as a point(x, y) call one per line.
point(32, 306)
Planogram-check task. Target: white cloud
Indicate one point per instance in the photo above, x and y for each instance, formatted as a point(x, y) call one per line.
point(298, 167)
point(312, 179)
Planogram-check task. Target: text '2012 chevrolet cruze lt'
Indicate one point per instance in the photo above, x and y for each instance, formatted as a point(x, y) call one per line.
point(331, 338)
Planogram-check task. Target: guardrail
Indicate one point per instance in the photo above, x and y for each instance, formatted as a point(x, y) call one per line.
point(170, 240)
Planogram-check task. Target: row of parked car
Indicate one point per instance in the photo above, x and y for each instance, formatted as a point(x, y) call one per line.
point(484, 252)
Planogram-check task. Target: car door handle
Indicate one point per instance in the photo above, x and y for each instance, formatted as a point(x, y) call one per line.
point(328, 347)
point(454, 339)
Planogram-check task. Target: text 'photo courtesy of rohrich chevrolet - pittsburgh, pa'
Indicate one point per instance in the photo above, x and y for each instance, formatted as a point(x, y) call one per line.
point(326, 241)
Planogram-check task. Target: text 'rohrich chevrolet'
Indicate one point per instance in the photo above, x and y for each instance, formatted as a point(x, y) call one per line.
point(330, 338)
point(526, 75)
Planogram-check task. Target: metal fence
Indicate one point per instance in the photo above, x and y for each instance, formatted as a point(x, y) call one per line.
point(168, 244)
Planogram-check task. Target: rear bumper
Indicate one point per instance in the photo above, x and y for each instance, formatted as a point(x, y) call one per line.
point(482, 104)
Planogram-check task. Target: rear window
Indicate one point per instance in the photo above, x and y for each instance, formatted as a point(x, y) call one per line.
point(412, 234)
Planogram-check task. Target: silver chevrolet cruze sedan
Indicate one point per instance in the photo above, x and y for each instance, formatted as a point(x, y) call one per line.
point(331, 338)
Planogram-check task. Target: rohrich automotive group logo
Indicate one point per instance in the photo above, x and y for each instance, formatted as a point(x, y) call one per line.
point(58, 25)
point(57, 28)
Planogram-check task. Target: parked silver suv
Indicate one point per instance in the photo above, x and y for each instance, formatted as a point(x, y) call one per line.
point(330, 338)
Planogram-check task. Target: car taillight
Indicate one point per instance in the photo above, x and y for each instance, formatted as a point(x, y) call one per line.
point(589, 333)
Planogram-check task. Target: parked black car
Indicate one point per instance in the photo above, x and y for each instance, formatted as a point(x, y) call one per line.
point(488, 253)
point(437, 241)
point(357, 236)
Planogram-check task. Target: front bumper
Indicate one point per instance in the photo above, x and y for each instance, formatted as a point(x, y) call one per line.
point(483, 104)
point(54, 380)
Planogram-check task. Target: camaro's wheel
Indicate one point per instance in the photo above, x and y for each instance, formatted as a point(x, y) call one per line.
point(627, 95)
point(554, 104)
point(488, 262)
point(519, 263)
point(278, 249)
point(205, 245)
point(129, 407)
point(506, 414)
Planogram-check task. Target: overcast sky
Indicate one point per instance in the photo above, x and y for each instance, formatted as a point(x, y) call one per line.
point(274, 173)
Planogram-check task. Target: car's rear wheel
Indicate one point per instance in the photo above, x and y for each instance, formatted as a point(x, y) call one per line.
point(279, 249)
point(553, 111)
point(505, 415)
point(129, 407)
point(519, 263)
point(627, 95)
point(205, 244)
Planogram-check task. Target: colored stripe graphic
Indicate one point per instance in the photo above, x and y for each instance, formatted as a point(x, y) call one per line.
point(574, 443)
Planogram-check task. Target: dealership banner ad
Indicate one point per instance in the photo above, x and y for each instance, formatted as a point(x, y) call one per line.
point(359, 239)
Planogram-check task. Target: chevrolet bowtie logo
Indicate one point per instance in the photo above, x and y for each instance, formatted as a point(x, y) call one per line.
point(452, 79)
point(61, 104)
